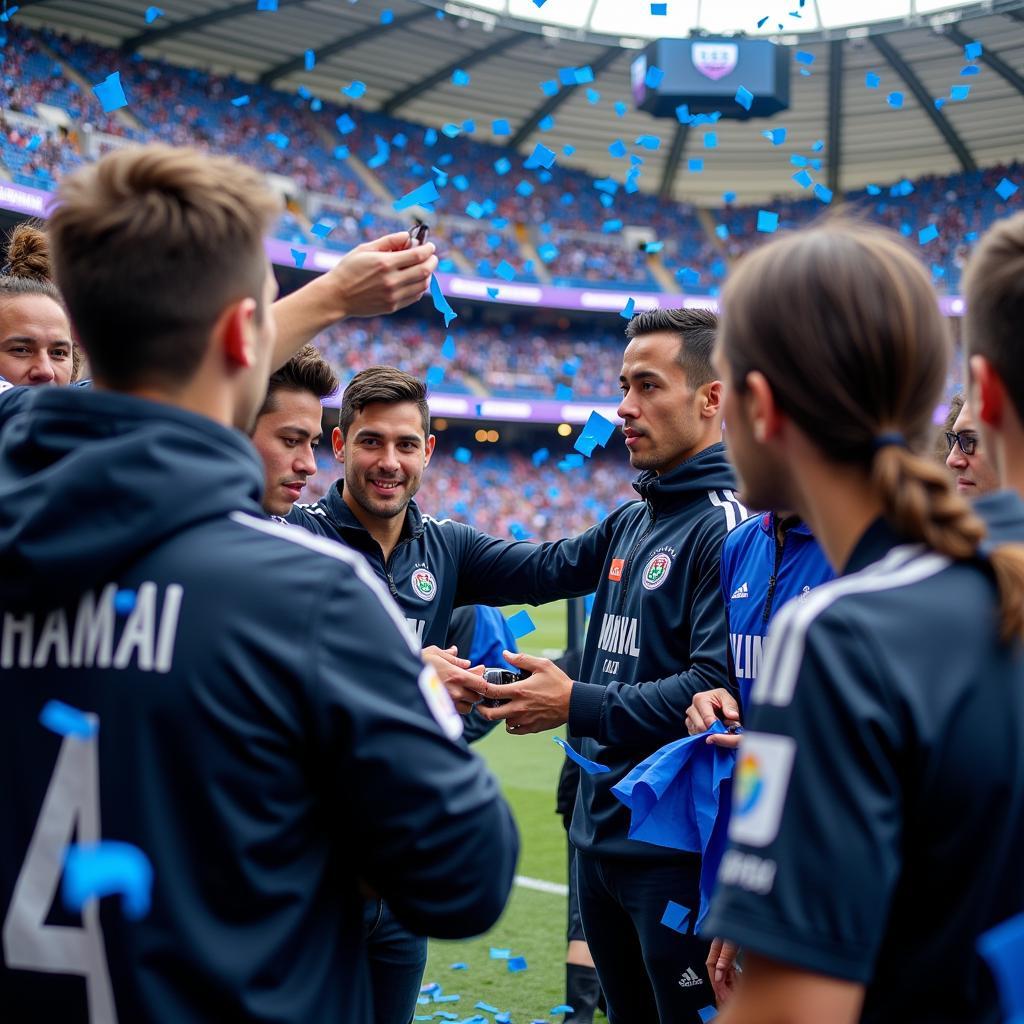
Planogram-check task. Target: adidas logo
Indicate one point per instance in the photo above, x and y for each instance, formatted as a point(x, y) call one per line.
point(741, 591)
point(690, 979)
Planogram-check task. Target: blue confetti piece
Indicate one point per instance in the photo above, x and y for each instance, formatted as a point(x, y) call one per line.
point(590, 767)
point(803, 57)
point(103, 869)
point(152, 13)
point(500, 954)
point(972, 51)
point(561, 1008)
point(611, 226)
point(322, 230)
point(124, 601)
point(710, 140)
point(744, 97)
point(659, 10)
point(240, 101)
point(299, 257)
point(683, 114)
point(695, 165)
point(266, 5)
point(687, 276)
point(597, 426)
point(549, 88)
point(818, 146)
point(969, 69)
point(653, 246)
point(521, 624)
point(492, 293)
point(519, 532)
point(895, 100)
point(959, 93)
point(927, 234)
point(501, 127)
point(460, 77)
point(872, 81)
point(676, 917)
point(722, 231)
point(505, 271)
point(309, 58)
point(516, 964)
point(65, 720)
point(763, 21)
point(341, 152)
point(316, 104)
point(525, 189)
point(475, 210)
point(1005, 189)
point(1003, 950)
point(448, 348)
point(304, 92)
point(458, 967)
point(654, 77)
point(463, 455)
point(502, 165)
point(708, 1013)
point(824, 194)
point(540, 157)
point(803, 179)
point(651, 142)
point(278, 139)
point(110, 93)
point(776, 136)
point(617, 149)
point(728, 197)
point(547, 252)
point(345, 124)
point(563, 392)
point(505, 1017)
point(767, 221)
point(486, 1007)
point(585, 445)
point(355, 90)
point(423, 195)
point(440, 302)
point(540, 456)
point(434, 376)
point(387, 16)
point(620, 109)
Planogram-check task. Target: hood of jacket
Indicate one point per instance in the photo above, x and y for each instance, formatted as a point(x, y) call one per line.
point(90, 479)
point(708, 470)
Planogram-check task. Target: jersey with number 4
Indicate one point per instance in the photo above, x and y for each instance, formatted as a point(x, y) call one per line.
point(201, 768)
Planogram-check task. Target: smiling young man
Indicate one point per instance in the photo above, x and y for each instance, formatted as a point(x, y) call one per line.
point(288, 428)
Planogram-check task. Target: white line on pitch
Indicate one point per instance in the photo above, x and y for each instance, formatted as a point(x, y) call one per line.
point(539, 885)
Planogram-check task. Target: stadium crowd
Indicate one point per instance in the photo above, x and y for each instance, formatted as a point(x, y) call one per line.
point(308, 140)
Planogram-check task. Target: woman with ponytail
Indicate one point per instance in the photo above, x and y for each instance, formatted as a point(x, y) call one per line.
point(878, 821)
point(35, 334)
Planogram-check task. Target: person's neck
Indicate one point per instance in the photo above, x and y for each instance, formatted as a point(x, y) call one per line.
point(386, 532)
point(217, 406)
point(710, 438)
point(1011, 474)
point(838, 504)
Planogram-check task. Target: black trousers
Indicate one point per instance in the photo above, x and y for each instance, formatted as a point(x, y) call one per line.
point(650, 974)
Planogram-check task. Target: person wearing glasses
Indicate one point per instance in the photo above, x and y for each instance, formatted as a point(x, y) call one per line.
point(972, 472)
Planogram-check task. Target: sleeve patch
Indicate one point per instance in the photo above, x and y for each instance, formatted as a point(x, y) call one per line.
point(762, 780)
point(440, 704)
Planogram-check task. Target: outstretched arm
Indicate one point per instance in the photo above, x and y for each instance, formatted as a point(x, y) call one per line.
point(375, 278)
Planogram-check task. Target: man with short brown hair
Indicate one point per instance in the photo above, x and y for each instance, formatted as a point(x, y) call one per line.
point(288, 430)
point(179, 715)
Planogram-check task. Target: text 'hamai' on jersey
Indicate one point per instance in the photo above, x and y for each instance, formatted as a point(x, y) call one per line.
point(111, 629)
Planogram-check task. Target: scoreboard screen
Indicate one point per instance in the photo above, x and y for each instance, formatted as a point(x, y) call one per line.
point(706, 73)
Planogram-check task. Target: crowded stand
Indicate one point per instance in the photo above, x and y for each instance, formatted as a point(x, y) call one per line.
point(293, 135)
point(519, 358)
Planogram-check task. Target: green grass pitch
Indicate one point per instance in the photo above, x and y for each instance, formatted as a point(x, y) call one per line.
point(533, 925)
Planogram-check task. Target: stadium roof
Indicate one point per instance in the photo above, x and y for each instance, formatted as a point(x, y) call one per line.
point(407, 53)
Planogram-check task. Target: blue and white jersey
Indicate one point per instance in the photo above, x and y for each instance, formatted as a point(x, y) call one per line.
point(759, 575)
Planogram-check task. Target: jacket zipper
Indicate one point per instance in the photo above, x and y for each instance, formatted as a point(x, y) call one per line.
point(632, 551)
point(775, 575)
point(387, 564)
